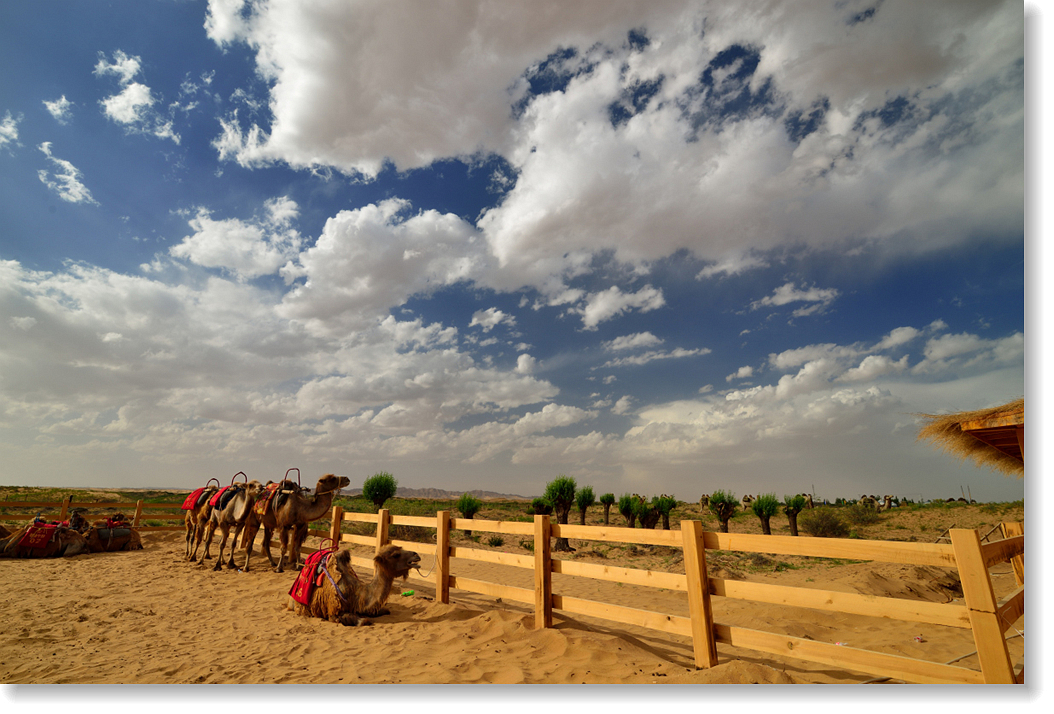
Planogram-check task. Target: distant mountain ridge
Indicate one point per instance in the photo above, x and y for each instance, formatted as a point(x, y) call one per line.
point(439, 494)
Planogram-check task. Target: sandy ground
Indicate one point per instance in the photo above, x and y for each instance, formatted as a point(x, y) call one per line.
point(151, 617)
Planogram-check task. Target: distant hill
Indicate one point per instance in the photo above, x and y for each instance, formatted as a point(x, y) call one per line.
point(440, 495)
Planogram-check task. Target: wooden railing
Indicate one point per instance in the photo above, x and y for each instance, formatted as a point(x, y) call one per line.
point(60, 510)
point(986, 618)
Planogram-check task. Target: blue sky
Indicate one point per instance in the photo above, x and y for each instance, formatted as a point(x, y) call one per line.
point(660, 247)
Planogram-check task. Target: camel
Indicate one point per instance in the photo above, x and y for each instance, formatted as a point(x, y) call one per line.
point(704, 501)
point(808, 499)
point(290, 516)
point(64, 542)
point(887, 503)
point(342, 597)
point(197, 519)
point(869, 502)
point(235, 512)
point(747, 500)
point(113, 534)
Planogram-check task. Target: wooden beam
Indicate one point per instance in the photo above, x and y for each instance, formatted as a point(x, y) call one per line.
point(1011, 608)
point(842, 657)
point(1018, 562)
point(442, 565)
point(543, 575)
point(699, 607)
point(932, 613)
point(992, 652)
point(888, 551)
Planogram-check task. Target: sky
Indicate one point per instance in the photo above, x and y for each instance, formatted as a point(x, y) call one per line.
point(660, 247)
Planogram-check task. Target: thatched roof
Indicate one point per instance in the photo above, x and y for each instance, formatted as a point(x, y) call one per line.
point(991, 437)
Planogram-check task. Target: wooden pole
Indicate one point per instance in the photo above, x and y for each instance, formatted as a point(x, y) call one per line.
point(138, 513)
point(1018, 561)
point(992, 652)
point(699, 595)
point(65, 508)
point(336, 520)
point(543, 574)
point(442, 565)
point(384, 519)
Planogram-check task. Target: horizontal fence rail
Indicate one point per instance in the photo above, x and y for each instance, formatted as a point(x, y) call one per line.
point(987, 618)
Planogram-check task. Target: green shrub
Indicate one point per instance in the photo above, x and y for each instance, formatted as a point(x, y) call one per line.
point(626, 508)
point(495, 541)
point(584, 499)
point(765, 506)
point(379, 488)
point(723, 505)
point(665, 504)
point(540, 507)
point(823, 522)
point(468, 505)
point(861, 515)
point(607, 501)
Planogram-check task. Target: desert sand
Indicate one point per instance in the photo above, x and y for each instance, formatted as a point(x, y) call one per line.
point(151, 617)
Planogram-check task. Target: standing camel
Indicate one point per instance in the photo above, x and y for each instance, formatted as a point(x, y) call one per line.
point(197, 519)
point(233, 513)
point(290, 516)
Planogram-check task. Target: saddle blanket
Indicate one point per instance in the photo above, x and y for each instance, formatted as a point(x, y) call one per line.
point(260, 507)
point(38, 535)
point(310, 577)
point(191, 501)
point(223, 496)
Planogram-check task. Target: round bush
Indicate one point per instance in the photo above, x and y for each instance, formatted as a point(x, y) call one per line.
point(823, 522)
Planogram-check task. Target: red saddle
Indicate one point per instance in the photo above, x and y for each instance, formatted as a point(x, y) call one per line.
point(310, 577)
point(38, 535)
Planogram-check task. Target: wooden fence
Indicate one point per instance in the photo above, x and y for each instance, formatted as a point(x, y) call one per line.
point(987, 618)
point(141, 510)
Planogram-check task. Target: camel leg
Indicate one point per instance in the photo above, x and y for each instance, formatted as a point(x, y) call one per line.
point(237, 532)
point(251, 529)
point(223, 544)
point(268, 534)
point(210, 529)
point(283, 536)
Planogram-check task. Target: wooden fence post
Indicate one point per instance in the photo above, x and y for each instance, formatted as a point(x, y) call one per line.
point(65, 508)
point(336, 520)
point(138, 513)
point(442, 563)
point(384, 519)
point(699, 595)
point(543, 573)
point(1018, 561)
point(996, 667)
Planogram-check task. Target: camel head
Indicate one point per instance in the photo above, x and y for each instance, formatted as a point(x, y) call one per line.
point(396, 562)
point(331, 484)
point(254, 488)
point(77, 520)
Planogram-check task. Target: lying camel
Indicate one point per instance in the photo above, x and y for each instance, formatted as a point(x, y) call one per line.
point(64, 542)
point(113, 534)
point(343, 598)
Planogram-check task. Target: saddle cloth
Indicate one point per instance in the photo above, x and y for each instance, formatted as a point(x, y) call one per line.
point(191, 501)
point(260, 507)
point(38, 535)
point(224, 496)
point(310, 577)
